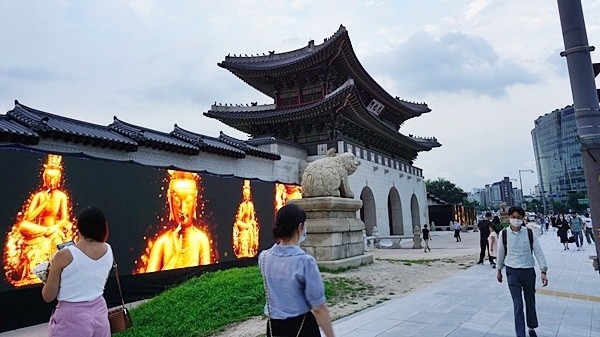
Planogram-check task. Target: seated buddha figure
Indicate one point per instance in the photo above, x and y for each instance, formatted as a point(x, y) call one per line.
point(45, 221)
point(183, 244)
point(245, 229)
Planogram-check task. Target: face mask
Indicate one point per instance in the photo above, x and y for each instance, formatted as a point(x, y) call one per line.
point(302, 236)
point(516, 222)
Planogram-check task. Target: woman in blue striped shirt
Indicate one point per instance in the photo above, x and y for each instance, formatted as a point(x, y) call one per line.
point(293, 285)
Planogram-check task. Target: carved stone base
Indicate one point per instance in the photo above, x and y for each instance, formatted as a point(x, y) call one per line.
point(349, 262)
point(334, 232)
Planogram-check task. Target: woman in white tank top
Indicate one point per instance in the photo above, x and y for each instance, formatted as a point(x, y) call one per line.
point(76, 278)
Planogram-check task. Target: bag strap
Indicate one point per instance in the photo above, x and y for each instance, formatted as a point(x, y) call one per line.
point(529, 234)
point(116, 268)
point(504, 241)
point(267, 298)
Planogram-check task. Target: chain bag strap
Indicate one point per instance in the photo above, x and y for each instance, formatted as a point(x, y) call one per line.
point(264, 277)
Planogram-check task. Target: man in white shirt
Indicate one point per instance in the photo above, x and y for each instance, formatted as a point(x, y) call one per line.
point(516, 247)
point(589, 230)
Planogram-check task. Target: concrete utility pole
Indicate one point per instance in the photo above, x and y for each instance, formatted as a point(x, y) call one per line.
point(585, 99)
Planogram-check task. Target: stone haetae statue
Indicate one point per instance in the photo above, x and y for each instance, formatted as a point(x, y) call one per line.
point(328, 177)
point(503, 207)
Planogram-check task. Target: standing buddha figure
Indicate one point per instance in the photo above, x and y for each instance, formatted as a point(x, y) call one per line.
point(245, 228)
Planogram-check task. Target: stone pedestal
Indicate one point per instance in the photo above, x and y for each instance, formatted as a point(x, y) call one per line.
point(504, 217)
point(335, 234)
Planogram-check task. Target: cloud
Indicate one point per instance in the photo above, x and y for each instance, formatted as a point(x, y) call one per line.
point(30, 74)
point(475, 8)
point(454, 63)
point(557, 65)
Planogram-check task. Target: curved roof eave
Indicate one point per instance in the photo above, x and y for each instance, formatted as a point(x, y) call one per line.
point(267, 115)
point(250, 68)
point(379, 125)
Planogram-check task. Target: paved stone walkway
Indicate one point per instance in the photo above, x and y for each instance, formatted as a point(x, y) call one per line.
point(474, 304)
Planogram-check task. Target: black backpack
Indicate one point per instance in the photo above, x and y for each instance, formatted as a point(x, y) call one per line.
point(529, 234)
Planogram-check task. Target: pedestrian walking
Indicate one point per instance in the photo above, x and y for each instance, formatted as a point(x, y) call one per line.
point(543, 225)
point(426, 238)
point(484, 233)
point(520, 272)
point(457, 229)
point(493, 245)
point(563, 230)
point(576, 226)
point(589, 229)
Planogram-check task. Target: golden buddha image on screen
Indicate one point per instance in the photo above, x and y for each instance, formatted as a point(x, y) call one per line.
point(245, 227)
point(184, 240)
point(43, 223)
point(284, 193)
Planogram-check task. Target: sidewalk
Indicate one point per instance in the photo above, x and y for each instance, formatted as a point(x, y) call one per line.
point(473, 303)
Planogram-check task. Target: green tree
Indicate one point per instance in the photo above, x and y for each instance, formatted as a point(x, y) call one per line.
point(445, 190)
point(535, 205)
point(574, 204)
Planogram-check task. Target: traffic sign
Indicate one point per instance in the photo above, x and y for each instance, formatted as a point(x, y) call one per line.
point(584, 201)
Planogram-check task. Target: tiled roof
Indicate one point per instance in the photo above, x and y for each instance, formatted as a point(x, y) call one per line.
point(337, 51)
point(267, 140)
point(345, 95)
point(206, 143)
point(235, 113)
point(248, 148)
point(152, 138)
point(48, 125)
point(275, 60)
point(27, 126)
point(429, 141)
point(11, 131)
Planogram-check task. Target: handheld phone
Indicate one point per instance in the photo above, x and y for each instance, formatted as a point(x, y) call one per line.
point(64, 244)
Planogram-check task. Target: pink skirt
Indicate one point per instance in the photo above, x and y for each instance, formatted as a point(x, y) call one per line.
point(81, 319)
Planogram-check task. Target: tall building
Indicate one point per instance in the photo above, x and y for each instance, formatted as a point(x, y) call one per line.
point(557, 155)
point(498, 192)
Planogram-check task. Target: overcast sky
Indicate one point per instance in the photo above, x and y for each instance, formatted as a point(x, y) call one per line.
point(486, 68)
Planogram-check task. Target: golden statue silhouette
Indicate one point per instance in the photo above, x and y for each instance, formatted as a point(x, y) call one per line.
point(44, 224)
point(245, 228)
point(284, 192)
point(183, 244)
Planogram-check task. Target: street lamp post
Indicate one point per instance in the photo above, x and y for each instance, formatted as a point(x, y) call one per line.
point(521, 184)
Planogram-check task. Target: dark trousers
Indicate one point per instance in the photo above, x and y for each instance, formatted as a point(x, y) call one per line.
point(589, 233)
point(289, 327)
point(521, 283)
point(578, 238)
point(483, 243)
point(457, 235)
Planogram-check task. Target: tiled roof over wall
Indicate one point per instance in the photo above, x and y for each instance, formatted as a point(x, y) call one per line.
point(27, 126)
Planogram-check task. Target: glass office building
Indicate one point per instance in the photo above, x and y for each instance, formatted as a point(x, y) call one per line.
point(557, 155)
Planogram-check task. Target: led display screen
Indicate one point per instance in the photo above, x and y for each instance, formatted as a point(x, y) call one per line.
point(158, 219)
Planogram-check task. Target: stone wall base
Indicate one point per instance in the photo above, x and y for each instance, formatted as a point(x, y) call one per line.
point(349, 262)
